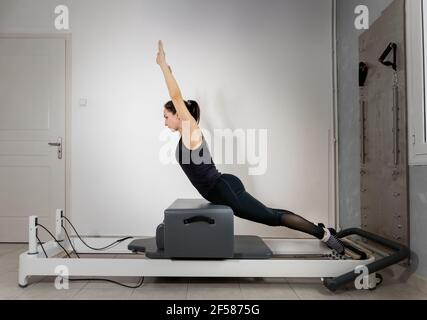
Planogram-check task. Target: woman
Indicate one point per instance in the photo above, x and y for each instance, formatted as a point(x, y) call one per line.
point(226, 189)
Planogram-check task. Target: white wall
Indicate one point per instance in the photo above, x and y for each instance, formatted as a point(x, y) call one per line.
point(250, 64)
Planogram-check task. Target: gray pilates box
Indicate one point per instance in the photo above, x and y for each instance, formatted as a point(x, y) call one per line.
point(196, 228)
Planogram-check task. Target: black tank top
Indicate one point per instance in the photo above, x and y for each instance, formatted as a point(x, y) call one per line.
point(198, 166)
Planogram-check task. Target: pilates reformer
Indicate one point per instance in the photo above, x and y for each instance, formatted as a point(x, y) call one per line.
point(196, 239)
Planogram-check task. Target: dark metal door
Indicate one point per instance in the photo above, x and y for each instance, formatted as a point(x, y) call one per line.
point(383, 127)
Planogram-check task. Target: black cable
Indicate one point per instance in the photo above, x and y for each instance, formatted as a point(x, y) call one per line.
point(98, 249)
point(38, 224)
point(139, 284)
point(69, 240)
point(41, 244)
point(99, 279)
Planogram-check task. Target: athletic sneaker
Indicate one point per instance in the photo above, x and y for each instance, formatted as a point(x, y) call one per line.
point(332, 241)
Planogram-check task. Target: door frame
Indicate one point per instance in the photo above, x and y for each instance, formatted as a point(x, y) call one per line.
point(68, 50)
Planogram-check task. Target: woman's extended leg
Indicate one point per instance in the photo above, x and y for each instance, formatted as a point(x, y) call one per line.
point(230, 191)
point(247, 207)
point(296, 222)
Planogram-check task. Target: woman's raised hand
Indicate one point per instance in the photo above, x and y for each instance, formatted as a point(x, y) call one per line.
point(161, 56)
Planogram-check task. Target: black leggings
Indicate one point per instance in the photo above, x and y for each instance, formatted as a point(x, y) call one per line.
point(229, 190)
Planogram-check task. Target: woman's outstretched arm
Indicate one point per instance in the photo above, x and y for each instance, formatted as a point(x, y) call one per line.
point(171, 83)
point(192, 137)
point(174, 91)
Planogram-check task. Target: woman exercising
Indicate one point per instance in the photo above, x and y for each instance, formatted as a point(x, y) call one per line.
point(225, 189)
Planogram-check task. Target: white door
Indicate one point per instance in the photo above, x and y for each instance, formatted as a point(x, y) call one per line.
point(32, 114)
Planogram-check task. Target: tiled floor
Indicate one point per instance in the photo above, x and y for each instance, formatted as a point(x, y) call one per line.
point(194, 288)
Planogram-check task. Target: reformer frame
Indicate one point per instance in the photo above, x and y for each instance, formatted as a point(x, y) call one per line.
point(292, 258)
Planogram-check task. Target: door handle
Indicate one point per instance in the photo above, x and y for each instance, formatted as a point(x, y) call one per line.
point(59, 145)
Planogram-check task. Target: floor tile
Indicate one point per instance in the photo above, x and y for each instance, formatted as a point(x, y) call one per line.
point(267, 291)
point(214, 291)
point(161, 291)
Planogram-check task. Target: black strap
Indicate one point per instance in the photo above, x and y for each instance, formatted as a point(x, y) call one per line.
point(390, 47)
point(363, 73)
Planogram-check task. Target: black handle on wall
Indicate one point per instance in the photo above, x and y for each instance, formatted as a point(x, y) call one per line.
point(363, 73)
point(390, 47)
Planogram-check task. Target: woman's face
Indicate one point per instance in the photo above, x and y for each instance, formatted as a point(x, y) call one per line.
point(171, 120)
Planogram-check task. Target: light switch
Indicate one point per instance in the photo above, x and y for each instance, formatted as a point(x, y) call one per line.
point(83, 102)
